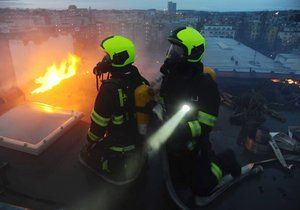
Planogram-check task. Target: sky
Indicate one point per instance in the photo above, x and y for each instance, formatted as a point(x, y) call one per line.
point(205, 5)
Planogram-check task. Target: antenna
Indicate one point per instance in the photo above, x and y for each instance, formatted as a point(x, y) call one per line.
point(254, 59)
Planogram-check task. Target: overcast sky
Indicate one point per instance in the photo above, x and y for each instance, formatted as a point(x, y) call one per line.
point(207, 5)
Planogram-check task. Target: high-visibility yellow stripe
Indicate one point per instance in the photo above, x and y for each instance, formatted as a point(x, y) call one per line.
point(207, 119)
point(216, 171)
point(116, 149)
point(192, 128)
point(92, 136)
point(98, 119)
point(122, 149)
point(117, 123)
point(195, 128)
point(119, 117)
point(105, 166)
point(118, 120)
point(122, 97)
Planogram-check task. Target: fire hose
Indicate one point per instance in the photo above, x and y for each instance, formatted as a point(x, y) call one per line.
point(97, 82)
point(101, 78)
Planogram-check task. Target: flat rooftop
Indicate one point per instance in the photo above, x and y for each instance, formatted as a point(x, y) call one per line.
point(57, 177)
point(223, 53)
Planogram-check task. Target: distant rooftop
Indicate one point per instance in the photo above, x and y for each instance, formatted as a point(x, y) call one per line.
point(226, 54)
point(291, 61)
point(289, 56)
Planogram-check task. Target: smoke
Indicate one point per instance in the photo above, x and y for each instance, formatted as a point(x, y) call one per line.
point(31, 59)
point(30, 54)
point(7, 78)
point(27, 56)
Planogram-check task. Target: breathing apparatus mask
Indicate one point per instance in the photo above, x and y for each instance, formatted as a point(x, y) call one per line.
point(103, 67)
point(175, 55)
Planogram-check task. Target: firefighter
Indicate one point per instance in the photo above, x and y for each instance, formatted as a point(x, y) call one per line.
point(192, 160)
point(114, 144)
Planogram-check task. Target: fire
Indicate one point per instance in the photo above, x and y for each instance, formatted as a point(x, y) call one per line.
point(275, 80)
point(290, 81)
point(55, 74)
point(287, 81)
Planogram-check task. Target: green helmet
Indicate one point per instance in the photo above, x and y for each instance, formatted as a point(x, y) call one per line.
point(191, 41)
point(121, 50)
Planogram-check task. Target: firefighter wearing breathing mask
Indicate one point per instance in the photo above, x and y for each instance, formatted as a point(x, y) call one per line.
point(192, 161)
point(114, 147)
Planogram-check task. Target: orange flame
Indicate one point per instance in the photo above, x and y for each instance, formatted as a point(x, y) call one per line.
point(290, 81)
point(287, 81)
point(276, 80)
point(54, 74)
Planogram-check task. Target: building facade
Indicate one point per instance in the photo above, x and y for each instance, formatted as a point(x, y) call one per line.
point(171, 8)
point(219, 31)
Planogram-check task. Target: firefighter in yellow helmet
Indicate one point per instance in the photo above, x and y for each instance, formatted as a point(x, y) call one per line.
point(192, 161)
point(114, 144)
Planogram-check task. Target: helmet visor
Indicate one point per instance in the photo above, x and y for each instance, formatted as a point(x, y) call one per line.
point(175, 52)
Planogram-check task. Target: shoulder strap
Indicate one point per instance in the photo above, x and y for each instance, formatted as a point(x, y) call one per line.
point(114, 81)
point(119, 87)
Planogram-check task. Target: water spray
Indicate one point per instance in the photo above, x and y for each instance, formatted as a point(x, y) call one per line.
point(164, 132)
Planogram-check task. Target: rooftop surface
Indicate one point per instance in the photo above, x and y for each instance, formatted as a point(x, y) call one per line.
point(56, 175)
point(220, 51)
point(290, 56)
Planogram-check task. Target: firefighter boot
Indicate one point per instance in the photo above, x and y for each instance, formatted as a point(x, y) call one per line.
point(229, 163)
point(86, 156)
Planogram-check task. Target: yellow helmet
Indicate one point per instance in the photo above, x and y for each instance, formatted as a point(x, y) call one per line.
point(210, 71)
point(121, 50)
point(191, 41)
